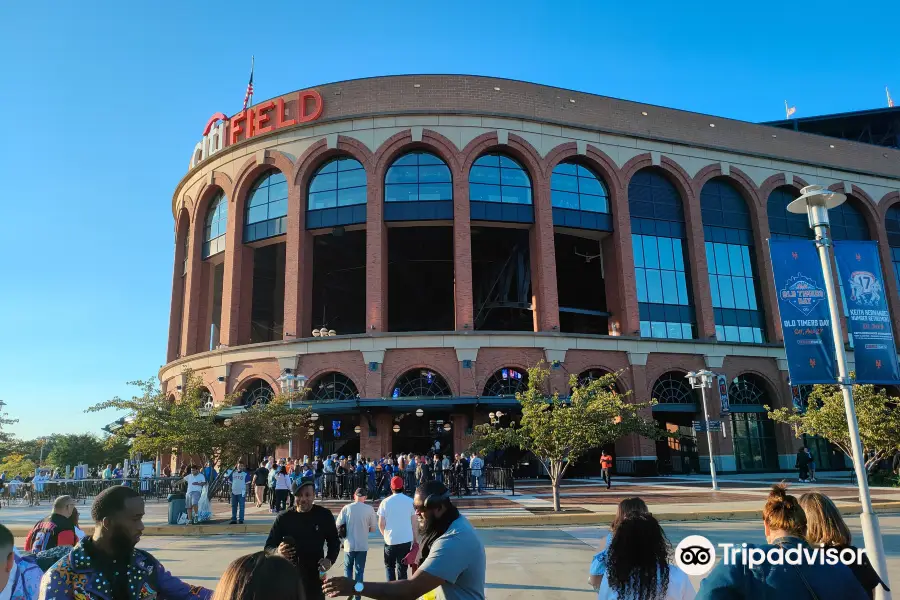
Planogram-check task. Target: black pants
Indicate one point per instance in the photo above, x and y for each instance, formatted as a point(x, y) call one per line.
point(605, 474)
point(312, 585)
point(393, 561)
point(281, 497)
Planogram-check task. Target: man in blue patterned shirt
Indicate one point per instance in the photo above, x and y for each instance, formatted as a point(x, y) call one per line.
point(107, 566)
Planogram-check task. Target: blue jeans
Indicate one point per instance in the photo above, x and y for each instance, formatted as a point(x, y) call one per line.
point(357, 559)
point(238, 500)
point(393, 561)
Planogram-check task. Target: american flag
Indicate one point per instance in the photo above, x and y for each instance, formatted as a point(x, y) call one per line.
point(789, 110)
point(249, 93)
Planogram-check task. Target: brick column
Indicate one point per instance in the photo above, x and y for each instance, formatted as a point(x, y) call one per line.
point(618, 259)
point(890, 281)
point(237, 284)
point(543, 260)
point(192, 282)
point(699, 273)
point(179, 291)
point(376, 260)
point(462, 254)
point(298, 269)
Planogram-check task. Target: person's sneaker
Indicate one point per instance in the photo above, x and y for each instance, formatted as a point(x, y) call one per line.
point(240, 522)
point(233, 523)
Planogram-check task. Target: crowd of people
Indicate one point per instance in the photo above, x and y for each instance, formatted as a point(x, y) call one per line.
point(430, 551)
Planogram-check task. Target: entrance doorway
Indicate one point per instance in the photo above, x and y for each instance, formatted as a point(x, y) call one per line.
point(754, 442)
point(337, 436)
point(827, 456)
point(677, 455)
point(429, 434)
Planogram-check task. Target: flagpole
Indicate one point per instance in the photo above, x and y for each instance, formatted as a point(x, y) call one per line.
point(787, 113)
point(252, 64)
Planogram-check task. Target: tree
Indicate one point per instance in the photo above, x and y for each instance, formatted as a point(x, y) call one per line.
point(17, 464)
point(269, 424)
point(156, 425)
point(560, 431)
point(87, 448)
point(876, 413)
point(5, 436)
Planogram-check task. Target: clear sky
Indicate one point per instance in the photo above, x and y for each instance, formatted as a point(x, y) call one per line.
point(102, 103)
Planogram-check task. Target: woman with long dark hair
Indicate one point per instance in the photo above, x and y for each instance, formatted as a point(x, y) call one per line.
point(626, 508)
point(260, 576)
point(638, 564)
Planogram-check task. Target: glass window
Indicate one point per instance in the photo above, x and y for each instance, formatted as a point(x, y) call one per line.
point(783, 224)
point(418, 176)
point(892, 225)
point(215, 226)
point(657, 223)
point(728, 231)
point(266, 204)
point(339, 182)
point(498, 178)
point(578, 188)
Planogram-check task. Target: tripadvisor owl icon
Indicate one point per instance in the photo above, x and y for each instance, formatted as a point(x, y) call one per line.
point(695, 555)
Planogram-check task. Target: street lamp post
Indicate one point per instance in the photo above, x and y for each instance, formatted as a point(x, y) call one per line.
point(815, 202)
point(703, 380)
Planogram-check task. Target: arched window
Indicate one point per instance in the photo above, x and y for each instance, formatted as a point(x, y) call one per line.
point(337, 194)
point(731, 263)
point(420, 383)
point(848, 222)
point(754, 432)
point(215, 226)
point(579, 198)
point(658, 241)
point(414, 179)
point(267, 207)
point(892, 225)
point(505, 383)
point(257, 393)
point(784, 224)
point(207, 398)
point(500, 190)
point(673, 388)
point(590, 375)
point(332, 387)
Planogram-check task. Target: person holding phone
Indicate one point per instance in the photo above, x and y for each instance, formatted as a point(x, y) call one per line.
point(300, 535)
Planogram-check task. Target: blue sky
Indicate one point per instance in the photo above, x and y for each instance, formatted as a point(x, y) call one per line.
point(102, 103)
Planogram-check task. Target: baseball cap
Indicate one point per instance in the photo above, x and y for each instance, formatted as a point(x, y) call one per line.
point(299, 485)
point(360, 492)
point(396, 483)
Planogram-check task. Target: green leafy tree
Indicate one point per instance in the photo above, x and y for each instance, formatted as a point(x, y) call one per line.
point(5, 436)
point(876, 413)
point(17, 464)
point(269, 424)
point(560, 431)
point(156, 425)
point(87, 448)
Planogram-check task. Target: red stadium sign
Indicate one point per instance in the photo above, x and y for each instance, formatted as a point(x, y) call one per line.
point(221, 132)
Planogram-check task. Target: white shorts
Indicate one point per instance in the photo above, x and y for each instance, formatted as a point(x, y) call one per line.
point(193, 498)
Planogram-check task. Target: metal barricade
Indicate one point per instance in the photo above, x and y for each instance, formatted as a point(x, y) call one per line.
point(460, 483)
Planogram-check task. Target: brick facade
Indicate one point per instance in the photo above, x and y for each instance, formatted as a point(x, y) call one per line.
point(545, 115)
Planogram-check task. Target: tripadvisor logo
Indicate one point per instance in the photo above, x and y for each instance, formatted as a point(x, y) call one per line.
point(696, 555)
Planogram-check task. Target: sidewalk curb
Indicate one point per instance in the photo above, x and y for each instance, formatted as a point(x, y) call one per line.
point(487, 522)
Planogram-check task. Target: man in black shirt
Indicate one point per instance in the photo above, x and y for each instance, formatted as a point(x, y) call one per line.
point(300, 534)
point(260, 483)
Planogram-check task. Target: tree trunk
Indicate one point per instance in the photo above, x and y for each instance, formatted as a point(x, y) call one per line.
point(555, 483)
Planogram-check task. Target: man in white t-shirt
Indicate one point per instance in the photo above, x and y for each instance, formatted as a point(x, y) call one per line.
point(397, 523)
point(358, 518)
point(195, 482)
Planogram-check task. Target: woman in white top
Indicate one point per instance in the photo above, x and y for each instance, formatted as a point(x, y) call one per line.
point(638, 567)
point(282, 489)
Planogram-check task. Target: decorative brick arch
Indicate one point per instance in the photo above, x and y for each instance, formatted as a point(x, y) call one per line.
point(328, 370)
point(771, 386)
point(517, 147)
point(741, 182)
point(595, 159)
point(678, 176)
point(622, 383)
point(241, 384)
point(247, 175)
point(220, 181)
point(886, 202)
point(387, 391)
point(776, 181)
point(400, 143)
point(319, 153)
point(874, 220)
point(179, 284)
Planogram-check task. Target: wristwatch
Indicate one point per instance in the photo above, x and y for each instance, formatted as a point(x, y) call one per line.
point(358, 588)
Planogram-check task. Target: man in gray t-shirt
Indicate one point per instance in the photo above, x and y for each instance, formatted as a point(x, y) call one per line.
point(452, 559)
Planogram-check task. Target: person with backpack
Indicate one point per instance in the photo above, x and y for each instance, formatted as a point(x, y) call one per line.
point(20, 576)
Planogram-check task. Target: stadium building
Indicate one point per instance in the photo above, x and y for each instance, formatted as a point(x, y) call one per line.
point(412, 244)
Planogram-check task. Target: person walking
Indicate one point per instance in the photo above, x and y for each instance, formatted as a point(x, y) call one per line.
point(812, 465)
point(785, 526)
point(107, 564)
point(452, 556)
point(638, 564)
point(259, 483)
point(825, 528)
point(477, 469)
point(239, 478)
point(606, 464)
point(282, 489)
point(397, 523)
point(58, 529)
point(357, 520)
point(803, 464)
point(195, 482)
point(301, 534)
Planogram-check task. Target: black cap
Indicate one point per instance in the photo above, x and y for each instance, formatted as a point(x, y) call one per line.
point(299, 485)
point(361, 492)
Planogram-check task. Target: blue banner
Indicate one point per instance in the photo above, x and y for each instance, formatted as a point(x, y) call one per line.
point(803, 305)
point(869, 319)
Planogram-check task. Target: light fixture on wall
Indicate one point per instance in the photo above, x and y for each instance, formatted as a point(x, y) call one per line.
point(324, 332)
point(419, 412)
point(357, 429)
point(396, 428)
point(446, 426)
